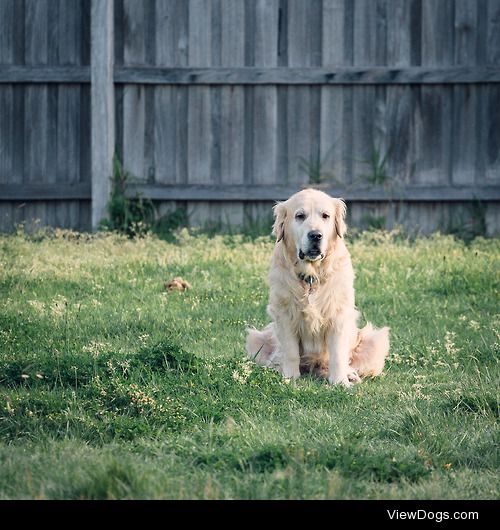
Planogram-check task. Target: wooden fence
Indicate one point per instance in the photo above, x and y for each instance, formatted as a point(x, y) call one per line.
point(223, 106)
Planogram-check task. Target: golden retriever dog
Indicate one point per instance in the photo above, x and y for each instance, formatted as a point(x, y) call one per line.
point(311, 300)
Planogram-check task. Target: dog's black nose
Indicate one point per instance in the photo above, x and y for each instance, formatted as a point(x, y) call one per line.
point(314, 235)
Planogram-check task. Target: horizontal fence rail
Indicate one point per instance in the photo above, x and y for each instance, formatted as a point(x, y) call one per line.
point(147, 75)
point(52, 192)
point(245, 193)
point(218, 193)
point(307, 76)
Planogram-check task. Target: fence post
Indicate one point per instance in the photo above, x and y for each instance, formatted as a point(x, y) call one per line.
point(103, 105)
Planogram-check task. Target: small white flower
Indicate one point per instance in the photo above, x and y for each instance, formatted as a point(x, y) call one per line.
point(95, 348)
point(238, 377)
point(58, 306)
point(449, 343)
point(37, 305)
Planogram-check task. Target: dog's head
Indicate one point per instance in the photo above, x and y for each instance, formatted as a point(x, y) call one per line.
point(309, 223)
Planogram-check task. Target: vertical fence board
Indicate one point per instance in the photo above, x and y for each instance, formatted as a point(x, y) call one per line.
point(6, 110)
point(36, 145)
point(103, 106)
point(261, 117)
point(464, 127)
point(368, 118)
point(304, 50)
point(400, 145)
point(265, 108)
point(199, 119)
point(134, 96)
point(232, 107)
point(435, 134)
point(492, 93)
point(170, 102)
point(333, 134)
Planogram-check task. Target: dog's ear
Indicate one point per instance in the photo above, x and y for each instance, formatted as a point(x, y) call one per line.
point(279, 210)
point(339, 217)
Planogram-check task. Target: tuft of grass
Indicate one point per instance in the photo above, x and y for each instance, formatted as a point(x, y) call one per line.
point(112, 388)
point(315, 167)
point(378, 175)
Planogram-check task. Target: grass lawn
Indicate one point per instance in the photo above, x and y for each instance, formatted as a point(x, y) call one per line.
point(112, 388)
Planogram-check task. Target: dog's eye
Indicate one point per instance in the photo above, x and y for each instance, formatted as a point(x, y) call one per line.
point(325, 216)
point(300, 216)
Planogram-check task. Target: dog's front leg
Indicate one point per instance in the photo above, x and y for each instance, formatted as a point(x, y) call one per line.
point(338, 345)
point(289, 346)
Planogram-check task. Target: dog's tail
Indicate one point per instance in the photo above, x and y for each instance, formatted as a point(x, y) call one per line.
point(368, 357)
point(261, 345)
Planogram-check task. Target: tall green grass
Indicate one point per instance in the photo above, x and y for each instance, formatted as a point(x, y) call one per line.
point(110, 387)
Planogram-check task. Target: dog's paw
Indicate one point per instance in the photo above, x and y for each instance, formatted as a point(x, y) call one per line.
point(353, 376)
point(291, 370)
point(340, 380)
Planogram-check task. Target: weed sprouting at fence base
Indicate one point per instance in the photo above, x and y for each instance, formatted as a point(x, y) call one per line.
point(132, 216)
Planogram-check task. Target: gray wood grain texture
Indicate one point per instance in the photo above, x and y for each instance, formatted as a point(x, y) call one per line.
point(435, 104)
point(335, 137)
point(103, 107)
point(134, 96)
point(464, 126)
point(224, 192)
point(229, 127)
point(43, 192)
point(255, 76)
point(401, 128)
point(7, 112)
point(360, 75)
point(303, 103)
point(236, 92)
point(68, 113)
point(199, 110)
point(36, 118)
point(262, 127)
point(170, 102)
point(492, 97)
point(367, 103)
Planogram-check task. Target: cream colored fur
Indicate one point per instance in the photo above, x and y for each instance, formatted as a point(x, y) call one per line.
point(311, 299)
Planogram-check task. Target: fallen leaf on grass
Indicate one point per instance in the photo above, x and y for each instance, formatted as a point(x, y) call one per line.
point(177, 284)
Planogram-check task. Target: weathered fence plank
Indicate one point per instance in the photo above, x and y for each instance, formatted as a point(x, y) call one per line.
point(170, 102)
point(433, 164)
point(491, 102)
point(36, 118)
point(134, 96)
point(151, 75)
point(42, 192)
point(199, 118)
point(7, 121)
point(221, 193)
point(400, 141)
point(334, 135)
point(464, 125)
point(360, 75)
point(230, 51)
point(103, 106)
